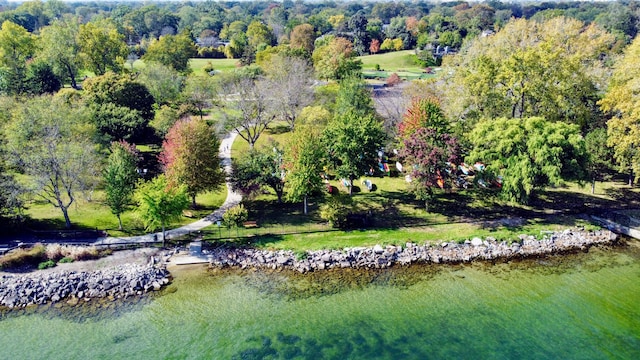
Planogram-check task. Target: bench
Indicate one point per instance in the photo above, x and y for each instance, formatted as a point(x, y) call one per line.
point(250, 224)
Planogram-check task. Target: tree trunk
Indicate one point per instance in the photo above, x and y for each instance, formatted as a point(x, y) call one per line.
point(193, 201)
point(119, 222)
point(593, 186)
point(72, 77)
point(305, 204)
point(164, 235)
point(631, 177)
point(67, 221)
point(426, 205)
point(350, 187)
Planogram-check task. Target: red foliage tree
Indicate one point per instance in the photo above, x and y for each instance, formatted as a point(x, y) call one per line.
point(422, 113)
point(393, 79)
point(374, 47)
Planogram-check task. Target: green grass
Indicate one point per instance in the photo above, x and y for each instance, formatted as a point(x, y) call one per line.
point(399, 62)
point(95, 214)
point(197, 64)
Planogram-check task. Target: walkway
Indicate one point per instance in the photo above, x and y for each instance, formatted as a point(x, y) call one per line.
point(233, 198)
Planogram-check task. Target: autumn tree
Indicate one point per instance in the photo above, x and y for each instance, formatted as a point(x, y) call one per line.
point(190, 157)
point(622, 101)
point(102, 47)
point(160, 202)
point(303, 36)
point(550, 69)
point(428, 148)
point(51, 142)
point(259, 168)
point(304, 163)
point(529, 154)
point(120, 176)
point(336, 59)
point(172, 51)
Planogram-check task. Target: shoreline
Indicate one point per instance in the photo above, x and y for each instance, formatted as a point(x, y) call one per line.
point(379, 257)
point(134, 279)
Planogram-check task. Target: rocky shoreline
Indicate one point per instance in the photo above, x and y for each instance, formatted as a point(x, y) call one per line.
point(17, 291)
point(380, 257)
point(123, 281)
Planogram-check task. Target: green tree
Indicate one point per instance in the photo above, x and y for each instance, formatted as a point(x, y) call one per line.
point(59, 47)
point(173, 51)
point(17, 46)
point(159, 203)
point(120, 176)
point(164, 83)
point(257, 169)
point(102, 47)
point(122, 107)
point(259, 35)
point(304, 163)
point(51, 142)
point(355, 135)
point(622, 101)
point(190, 157)
point(200, 92)
point(529, 154)
point(550, 69)
point(600, 155)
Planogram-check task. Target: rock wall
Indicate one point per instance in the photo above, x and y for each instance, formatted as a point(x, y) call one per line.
point(383, 257)
point(72, 286)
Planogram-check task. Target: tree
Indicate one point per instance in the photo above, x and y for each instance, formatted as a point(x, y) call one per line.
point(163, 83)
point(361, 39)
point(374, 47)
point(17, 46)
point(547, 69)
point(259, 168)
point(290, 81)
point(249, 107)
point(40, 79)
point(50, 141)
point(529, 153)
point(355, 135)
point(172, 51)
point(303, 36)
point(259, 35)
point(428, 148)
point(190, 157)
point(622, 101)
point(200, 91)
point(600, 155)
point(336, 59)
point(304, 164)
point(122, 107)
point(102, 47)
point(59, 47)
point(120, 176)
point(159, 203)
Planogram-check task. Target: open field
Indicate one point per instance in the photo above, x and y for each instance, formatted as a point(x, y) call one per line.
point(400, 62)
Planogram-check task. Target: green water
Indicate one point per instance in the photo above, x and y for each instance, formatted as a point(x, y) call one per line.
point(580, 306)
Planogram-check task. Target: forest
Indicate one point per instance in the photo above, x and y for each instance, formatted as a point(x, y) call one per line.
point(123, 104)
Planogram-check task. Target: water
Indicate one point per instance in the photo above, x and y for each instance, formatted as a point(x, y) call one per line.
point(580, 306)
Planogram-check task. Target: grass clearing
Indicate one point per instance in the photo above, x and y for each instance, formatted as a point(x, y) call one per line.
point(399, 62)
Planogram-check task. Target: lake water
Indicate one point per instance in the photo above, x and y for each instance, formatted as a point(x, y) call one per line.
point(578, 306)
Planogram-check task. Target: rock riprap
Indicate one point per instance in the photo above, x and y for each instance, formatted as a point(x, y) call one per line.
point(384, 257)
point(118, 282)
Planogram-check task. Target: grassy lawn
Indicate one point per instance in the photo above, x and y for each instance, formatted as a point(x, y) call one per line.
point(94, 214)
point(400, 62)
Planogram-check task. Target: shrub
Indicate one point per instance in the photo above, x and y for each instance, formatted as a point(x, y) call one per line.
point(376, 67)
point(335, 211)
point(46, 264)
point(65, 260)
point(393, 79)
point(21, 257)
point(235, 216)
